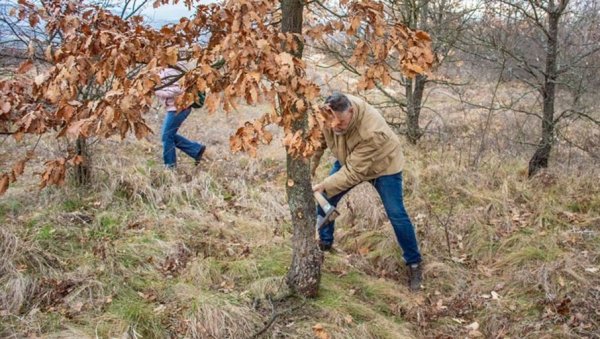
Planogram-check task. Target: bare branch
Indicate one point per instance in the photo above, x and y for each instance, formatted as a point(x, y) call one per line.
point(328, 10)
point(533, 18)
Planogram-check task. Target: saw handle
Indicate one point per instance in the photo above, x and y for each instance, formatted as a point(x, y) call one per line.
point(321, 200)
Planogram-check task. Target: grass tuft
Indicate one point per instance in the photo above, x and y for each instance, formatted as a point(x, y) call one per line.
point(213, 317)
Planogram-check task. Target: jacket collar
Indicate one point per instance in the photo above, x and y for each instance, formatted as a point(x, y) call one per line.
point(357, 114)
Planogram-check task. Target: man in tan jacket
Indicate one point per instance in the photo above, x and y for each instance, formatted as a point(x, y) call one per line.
point(366, 149)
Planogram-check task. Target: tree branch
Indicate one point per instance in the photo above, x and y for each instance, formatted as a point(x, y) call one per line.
point(275, 315)
point(327, 9)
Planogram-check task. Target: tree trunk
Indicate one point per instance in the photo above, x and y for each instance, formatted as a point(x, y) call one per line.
point(541, 156)
point(414, 95)
point(414, 88)
point(83, 171)
point(304, 275)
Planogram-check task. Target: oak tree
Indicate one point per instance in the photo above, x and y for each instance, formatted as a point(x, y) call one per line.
point(257, 45)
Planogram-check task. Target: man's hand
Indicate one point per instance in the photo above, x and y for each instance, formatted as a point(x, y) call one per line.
point(318, 188)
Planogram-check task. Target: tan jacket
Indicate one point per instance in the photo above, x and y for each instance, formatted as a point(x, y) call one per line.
point(369, 149)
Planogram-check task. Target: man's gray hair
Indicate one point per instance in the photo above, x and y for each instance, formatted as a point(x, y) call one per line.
point(338, 102)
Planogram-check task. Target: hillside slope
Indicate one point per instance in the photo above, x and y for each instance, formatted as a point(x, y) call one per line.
point(201, 252)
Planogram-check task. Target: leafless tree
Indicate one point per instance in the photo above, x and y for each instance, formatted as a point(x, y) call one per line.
point(549, 45)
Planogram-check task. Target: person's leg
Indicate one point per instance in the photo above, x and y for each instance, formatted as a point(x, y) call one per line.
point(168, 132)
point(389, 188)
point(326, 232)
point(191, 148)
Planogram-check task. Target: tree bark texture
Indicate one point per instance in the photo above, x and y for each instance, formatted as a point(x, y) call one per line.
point(83, 171)
point(304, 275)
point(414, 95)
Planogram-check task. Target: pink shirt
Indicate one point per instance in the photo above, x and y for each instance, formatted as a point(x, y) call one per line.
point(169, 93)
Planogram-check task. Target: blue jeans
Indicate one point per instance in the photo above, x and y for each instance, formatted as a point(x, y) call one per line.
point(172, 140)
point(389, 188)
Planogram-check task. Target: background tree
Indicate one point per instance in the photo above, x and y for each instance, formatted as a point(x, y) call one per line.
point(31, 42)
point(556, 56)
point(250, 41)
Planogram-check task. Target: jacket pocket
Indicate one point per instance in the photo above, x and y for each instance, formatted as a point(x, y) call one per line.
point(380, 165)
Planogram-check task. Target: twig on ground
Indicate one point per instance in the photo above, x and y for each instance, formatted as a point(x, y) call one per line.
point(274, 316)
point(445, 225)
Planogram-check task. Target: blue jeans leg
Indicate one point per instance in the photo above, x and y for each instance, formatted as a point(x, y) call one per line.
point(326, 233)
point(389, 188)
point(172, 140)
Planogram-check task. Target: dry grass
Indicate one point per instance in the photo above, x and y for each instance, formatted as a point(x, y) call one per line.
point(201, 252)
point(214, 317)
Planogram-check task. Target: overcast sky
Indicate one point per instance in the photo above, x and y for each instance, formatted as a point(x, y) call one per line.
point(166, 13)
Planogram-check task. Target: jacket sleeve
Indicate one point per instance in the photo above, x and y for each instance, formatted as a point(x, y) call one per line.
point(358, 165)
point(169, 92)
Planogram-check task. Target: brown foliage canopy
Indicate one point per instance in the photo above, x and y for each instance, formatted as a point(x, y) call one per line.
point(101, 77)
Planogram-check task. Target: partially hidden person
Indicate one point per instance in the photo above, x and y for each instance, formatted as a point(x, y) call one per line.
point(171, 139)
